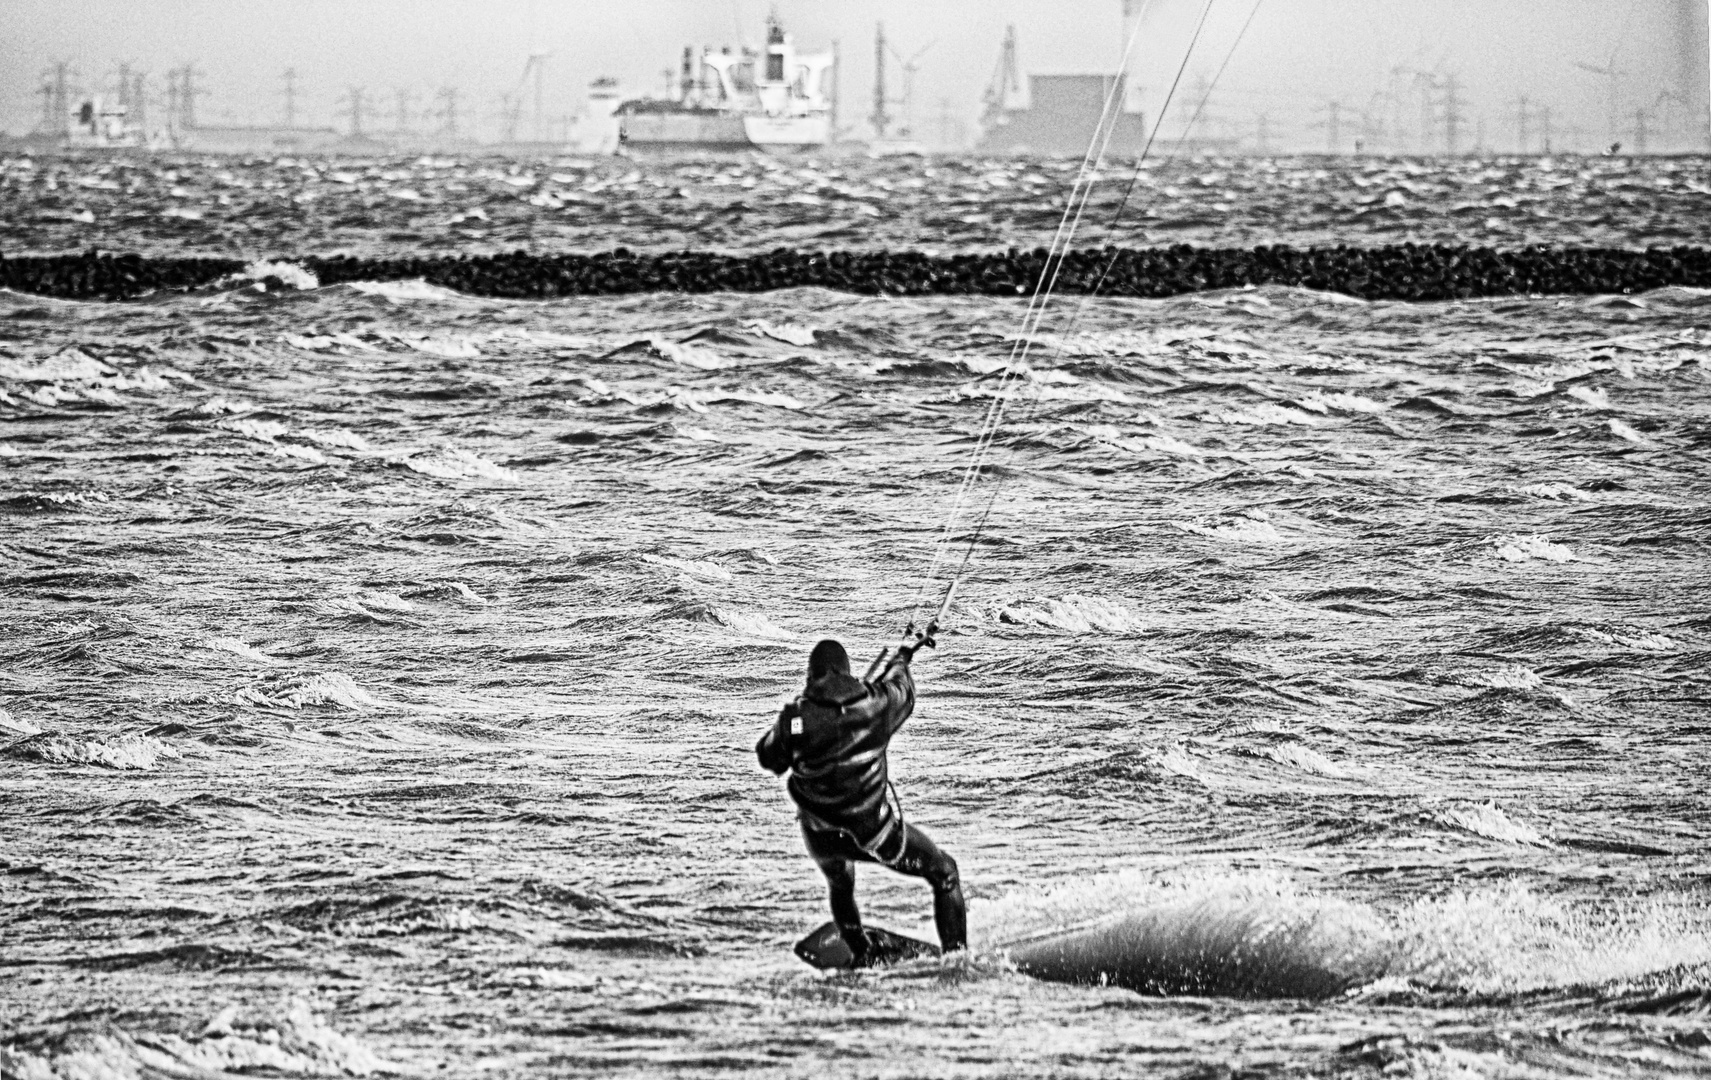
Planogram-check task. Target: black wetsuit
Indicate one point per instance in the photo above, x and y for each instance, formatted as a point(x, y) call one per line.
point(832, 740)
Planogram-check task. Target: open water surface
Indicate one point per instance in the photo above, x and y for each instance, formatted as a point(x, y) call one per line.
point(382, 669)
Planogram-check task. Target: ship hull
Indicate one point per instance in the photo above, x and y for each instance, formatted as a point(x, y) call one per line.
point(682, 131)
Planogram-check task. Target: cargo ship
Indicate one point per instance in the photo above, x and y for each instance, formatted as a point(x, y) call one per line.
point(774, 99)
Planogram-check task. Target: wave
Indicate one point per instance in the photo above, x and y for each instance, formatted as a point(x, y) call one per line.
point(450, 462)
point(293, 1042)
point(742, 622)
point(1523, 548)
point(1074, 613)
point(121, 752)
point(1259, 936)
point(1492, 823)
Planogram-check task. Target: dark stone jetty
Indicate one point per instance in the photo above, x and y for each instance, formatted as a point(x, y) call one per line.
point(1400, 272)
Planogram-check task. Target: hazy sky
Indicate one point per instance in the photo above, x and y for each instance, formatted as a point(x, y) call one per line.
point(1297, 56)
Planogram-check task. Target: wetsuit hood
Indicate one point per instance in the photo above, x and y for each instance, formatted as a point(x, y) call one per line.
point(829, 678)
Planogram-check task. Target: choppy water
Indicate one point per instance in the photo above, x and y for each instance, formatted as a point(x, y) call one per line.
point(383, 667)
point(289, 206)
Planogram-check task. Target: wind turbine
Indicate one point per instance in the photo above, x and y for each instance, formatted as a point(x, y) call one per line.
point(1608, 71)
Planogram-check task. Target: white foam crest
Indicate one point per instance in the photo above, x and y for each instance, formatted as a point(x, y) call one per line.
point(758, 397)
point(1623, 431)
point(1597, 397)
point(789, 333)
point(691, 355)
point(289, 272)
point(710, 571)
point(260, 430)
point(452, 463)
point(237, 648)
point(298, 691)
point(1522, 548)
point(67, 365)
point(295, 1043)
point(1489, 821)
point(1509, 677)
point(1644, 640)
point(1170, 444)
point(12, 725)
point(1556, 491)
point(1512, 940)
point(1240, 531)
point(408, 289)
point(749, 624)
point(334, 437)
point(1263, 414)
point(123, 752)
point(1346, 403)
point(1074, 613)
point(1300, 756)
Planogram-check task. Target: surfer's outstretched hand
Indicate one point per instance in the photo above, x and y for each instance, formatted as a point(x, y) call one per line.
point(926, 639)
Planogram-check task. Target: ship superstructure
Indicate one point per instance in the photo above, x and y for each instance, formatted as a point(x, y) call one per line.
point(770, 99)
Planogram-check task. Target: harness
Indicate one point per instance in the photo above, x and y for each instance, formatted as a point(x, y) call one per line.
point(894, 828)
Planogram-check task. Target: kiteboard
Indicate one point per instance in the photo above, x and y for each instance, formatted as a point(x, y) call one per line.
point(825, 948)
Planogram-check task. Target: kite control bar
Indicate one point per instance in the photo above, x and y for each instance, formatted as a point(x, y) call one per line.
point(912, 641)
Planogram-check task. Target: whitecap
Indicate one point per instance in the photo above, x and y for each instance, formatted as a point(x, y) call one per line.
point(789, 333)
point(1623, 431)
point(409, 289)
point(296, 692)
point(1263, 414)
point(289, 272)
point(1299, 756)
point(1492, 823)
point(123, 752)
point(334, 437)
point(1241, 531)
point(758, 397)
point(71, 365)
point(694, 568)
point(237, 648)
point(12, 725)
point(1556, 491)
point(1597, 397)
point(1076, 614)
point(1522, 548)
point(453, 463)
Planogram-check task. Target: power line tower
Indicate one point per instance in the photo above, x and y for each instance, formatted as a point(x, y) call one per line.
point(402, 102)
point(356, 104)
point(290, 94)
point(1426, 85)
point(1642, 130)
point(447, 113)
point(183, 102)
point(1333, 125)
point(1262, 134)
point(56, 99)
point(880, 119)
point(1543, 115)
point(137, 100)
point(1453, 118)
point(1523, 122)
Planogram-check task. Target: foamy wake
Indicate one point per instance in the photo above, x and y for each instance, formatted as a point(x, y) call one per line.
point(1260, 936)
point(698, 568)
point(296, 1042)
point(1076, 614)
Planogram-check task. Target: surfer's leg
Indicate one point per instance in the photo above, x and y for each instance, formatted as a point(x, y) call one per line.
point(922, 858)
point(826, 850)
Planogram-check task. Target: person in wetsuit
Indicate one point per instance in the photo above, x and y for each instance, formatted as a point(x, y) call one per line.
point(832, 741)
